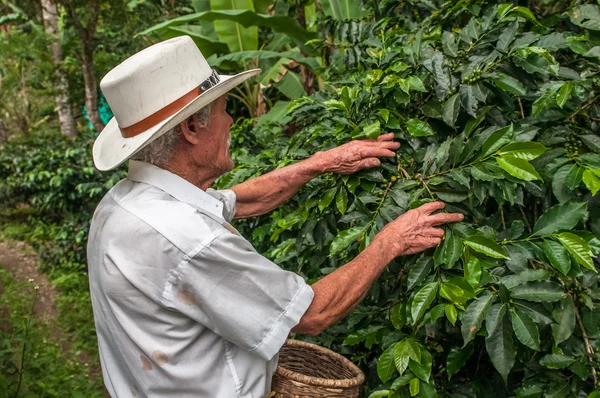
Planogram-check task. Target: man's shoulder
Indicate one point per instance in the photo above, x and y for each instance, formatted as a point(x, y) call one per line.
point(129, 202)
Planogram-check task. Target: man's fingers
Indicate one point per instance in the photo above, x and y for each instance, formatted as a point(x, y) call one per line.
point(435, 232)
point(369, 162)
point(376, 152)
point(389, 144)
point(429, 208)
point(386, 137)
point(444, 218)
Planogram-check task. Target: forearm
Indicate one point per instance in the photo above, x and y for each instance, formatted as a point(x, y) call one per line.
point(262, 194)
point(339, 292)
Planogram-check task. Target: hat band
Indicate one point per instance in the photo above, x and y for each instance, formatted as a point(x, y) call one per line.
point(171, 109)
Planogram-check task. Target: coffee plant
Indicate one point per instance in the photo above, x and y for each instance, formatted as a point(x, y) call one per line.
point(496, 108)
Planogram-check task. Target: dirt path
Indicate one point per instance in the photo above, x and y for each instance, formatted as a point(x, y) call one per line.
point(21, 261)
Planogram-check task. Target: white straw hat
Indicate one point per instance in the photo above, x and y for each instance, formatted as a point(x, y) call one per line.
point(153, 91)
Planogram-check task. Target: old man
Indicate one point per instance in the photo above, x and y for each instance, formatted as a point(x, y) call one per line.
point(183, 305)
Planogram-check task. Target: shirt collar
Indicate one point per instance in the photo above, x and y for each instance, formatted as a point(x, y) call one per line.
point(177, 187)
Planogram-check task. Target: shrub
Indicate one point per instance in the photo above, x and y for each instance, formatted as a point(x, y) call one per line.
point(497, 114)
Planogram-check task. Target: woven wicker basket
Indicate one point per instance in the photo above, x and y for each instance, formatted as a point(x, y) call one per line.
point(308, 371)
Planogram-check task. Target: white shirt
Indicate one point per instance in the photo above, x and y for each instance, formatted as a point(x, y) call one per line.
point(183, 305)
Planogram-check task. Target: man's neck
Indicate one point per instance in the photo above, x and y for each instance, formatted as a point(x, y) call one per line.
point(189, 171)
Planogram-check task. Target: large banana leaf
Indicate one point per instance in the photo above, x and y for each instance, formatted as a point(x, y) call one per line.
point(242, 56)
point(280, 24)
point(232, 33)
point(290, 85)
point(207, 45)
point(208, 28)
point(342, 9)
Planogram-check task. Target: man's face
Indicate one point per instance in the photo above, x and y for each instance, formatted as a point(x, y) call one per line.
point(214, 150)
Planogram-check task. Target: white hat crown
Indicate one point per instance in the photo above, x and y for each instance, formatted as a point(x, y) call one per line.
point(152, 79)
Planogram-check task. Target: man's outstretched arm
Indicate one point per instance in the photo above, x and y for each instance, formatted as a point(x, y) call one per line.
point(262, 194)
point(339, 292)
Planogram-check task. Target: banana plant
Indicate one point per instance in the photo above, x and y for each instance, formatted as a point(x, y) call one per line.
point(227, 33)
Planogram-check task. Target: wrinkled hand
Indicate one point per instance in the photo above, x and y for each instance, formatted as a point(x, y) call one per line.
point(358, 154)
point(414, 231)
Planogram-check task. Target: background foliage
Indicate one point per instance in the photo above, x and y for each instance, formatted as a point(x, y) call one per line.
point(496, 108)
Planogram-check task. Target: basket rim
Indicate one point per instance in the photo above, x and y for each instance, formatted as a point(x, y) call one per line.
point(319, 381)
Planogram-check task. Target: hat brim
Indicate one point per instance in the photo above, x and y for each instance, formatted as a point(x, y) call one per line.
point(111, 148)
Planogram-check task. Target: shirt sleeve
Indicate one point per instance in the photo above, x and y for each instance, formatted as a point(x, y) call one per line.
point(241, 296)
point(229, 200)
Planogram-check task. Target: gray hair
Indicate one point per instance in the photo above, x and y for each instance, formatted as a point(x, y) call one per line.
point(160, 151)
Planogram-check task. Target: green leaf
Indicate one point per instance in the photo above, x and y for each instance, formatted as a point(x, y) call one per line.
point(511, 85)
point(523, 150)
point(587, 16)
point(437, 311)
point(423, 300)
point(508, 35)
point(579, 248)
point(451, 313)
point(561, 216)
point(545, 100)
point(496, 140)
point(237, 37)
point(564, 315)
point(574, 177)
point(385, 365)
point(372, 130)
point(501, 350)
point(559, 183)
point(368, 335)
point(494, 317)
point(415, 387)
point(474, 316)
point(525, 13)
point(450, 110)
point(468, 99)
point(341, 200)
point(400, 360)
point(419, 128)
point(419, 271)
point(379, 394)
point(564, 94)
point(247, 18)
point(416, 84)
point(525, 329)
point(409, 348)
point(472, 271)
point(591, 181)
point(558, 256)
point(556, 361)
point(527, 275)
point(518, 168)
point(422, 370)
point(538, 291)
point(327, 198)
point(457, 358)
point(206, 44)
point(344, 239)
point(453, 249)
point(449, 44)
point(592, 142)
point(398, 315)
point(290, 86)
point(482, 174)
point(486, 246)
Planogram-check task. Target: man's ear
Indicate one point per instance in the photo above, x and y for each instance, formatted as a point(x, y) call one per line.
point(190, 130)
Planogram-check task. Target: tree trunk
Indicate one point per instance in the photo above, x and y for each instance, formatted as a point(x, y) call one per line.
point(89, 78)
point(63, 102)
point(86, 38)
point(3, 133)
